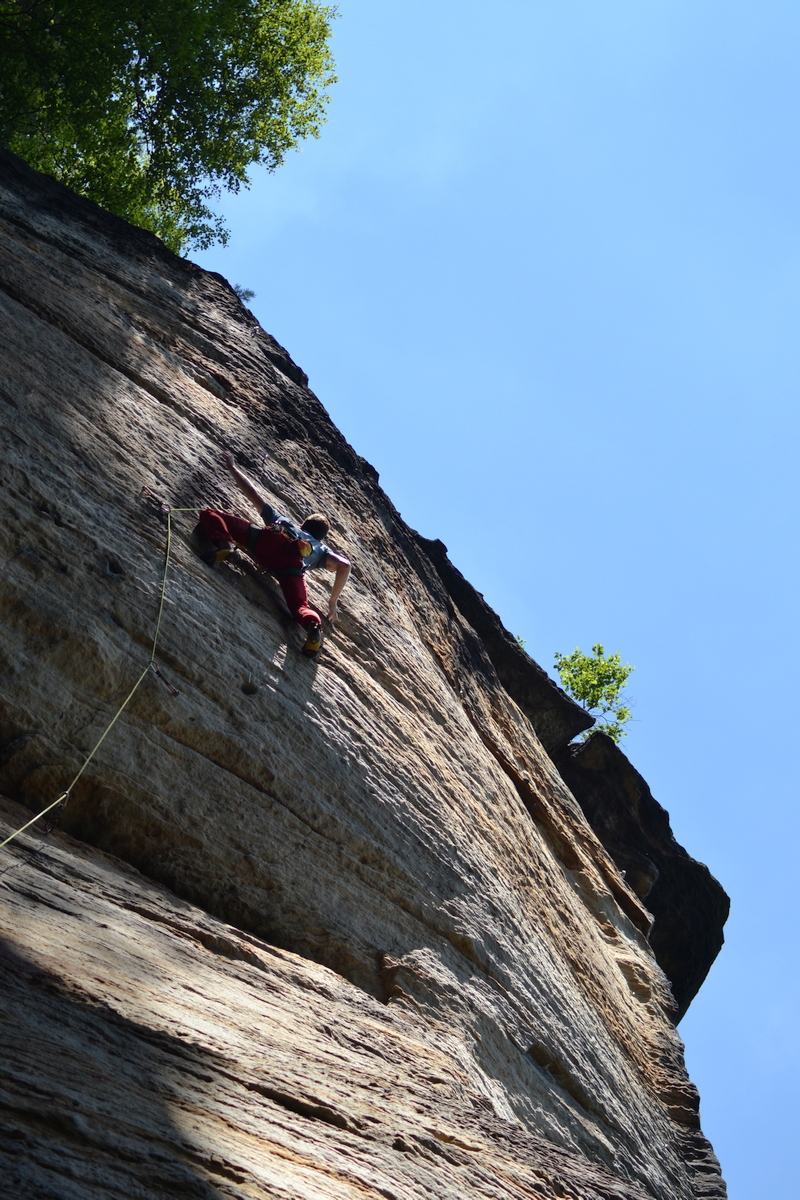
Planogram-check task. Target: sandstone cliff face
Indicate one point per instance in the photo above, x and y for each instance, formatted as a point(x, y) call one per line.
point(688, 905)
point(375, 947)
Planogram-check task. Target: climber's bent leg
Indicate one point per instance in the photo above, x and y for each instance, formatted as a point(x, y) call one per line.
point(296, 597)
point(224, 527)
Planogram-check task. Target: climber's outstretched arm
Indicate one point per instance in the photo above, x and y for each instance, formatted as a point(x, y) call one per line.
point(244, 484)
point(341, 566)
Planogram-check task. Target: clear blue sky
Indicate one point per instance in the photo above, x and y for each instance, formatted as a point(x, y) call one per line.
point(544, 265)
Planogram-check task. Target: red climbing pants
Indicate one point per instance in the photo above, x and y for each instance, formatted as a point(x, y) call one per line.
point(272, 551)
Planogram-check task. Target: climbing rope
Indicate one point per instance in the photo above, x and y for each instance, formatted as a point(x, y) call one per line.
point(152, 665)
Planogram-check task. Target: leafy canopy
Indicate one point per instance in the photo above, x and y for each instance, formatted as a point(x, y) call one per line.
point(151, 109)
point(596, 681)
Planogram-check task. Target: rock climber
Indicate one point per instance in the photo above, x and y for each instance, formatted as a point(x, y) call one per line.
point(284, 549)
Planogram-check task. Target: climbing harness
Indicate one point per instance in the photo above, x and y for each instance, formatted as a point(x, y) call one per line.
point(60, 802)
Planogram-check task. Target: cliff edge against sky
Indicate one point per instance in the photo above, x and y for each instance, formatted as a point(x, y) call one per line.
point(331, 928)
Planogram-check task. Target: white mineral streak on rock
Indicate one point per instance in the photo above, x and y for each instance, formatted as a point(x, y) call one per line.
point(487, 1019)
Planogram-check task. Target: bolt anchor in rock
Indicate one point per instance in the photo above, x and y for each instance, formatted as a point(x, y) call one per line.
point(157, 672)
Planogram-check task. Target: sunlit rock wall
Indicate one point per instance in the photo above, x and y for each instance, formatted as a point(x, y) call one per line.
point(393, 958)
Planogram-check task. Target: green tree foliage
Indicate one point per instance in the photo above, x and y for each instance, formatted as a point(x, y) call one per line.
point(152, 107)
point(596, 681)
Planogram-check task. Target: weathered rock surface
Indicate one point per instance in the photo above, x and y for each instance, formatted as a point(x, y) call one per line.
point(172, 1054)
point(689, 906)
point(386, 813)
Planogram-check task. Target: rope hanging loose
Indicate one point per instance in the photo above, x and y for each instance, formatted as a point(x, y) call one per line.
point(152, 665)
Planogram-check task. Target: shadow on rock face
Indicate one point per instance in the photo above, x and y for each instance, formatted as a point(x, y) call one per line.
point(98, 1122)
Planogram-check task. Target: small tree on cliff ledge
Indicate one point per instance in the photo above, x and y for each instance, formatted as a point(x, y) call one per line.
point(596, 681)
point(151, 109)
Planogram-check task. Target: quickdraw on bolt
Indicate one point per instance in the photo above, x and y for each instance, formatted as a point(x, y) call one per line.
point(154, 667)
point(61, 804)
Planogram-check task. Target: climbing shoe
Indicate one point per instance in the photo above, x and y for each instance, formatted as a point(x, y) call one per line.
point(212, 557)
point(313, 641)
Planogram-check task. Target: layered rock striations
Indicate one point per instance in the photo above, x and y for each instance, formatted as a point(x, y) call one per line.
point(331, 928)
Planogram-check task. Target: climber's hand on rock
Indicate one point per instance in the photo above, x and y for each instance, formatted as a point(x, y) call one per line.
point(227, 458)
point(341, 565)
